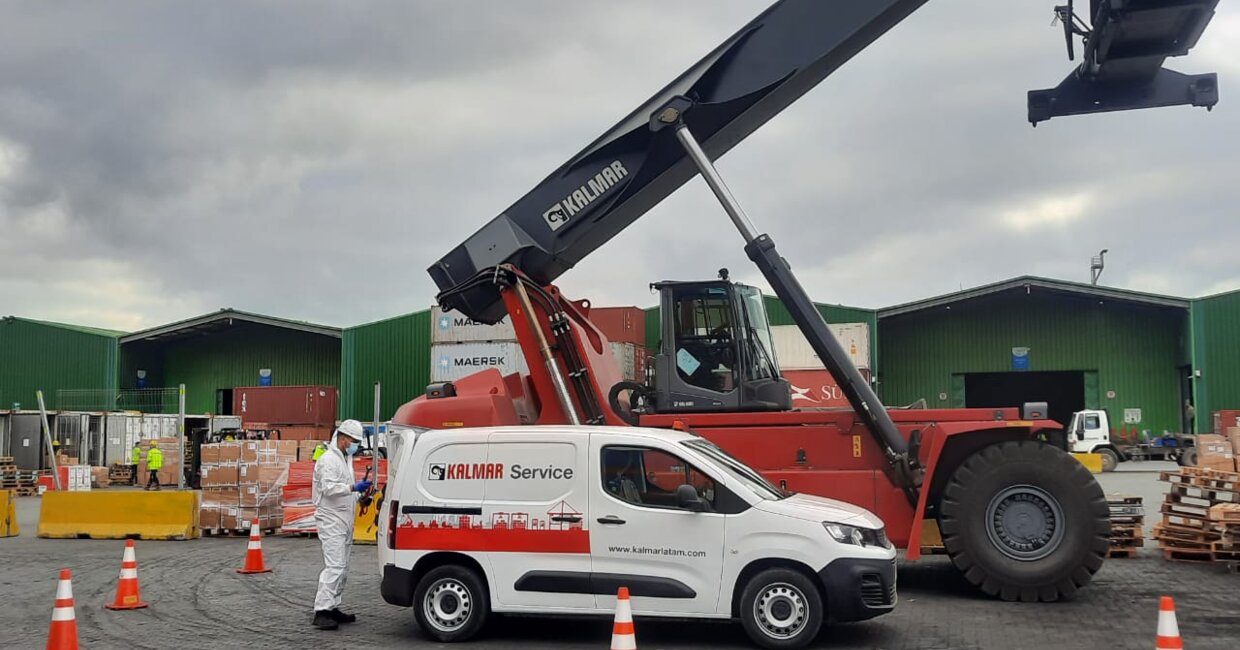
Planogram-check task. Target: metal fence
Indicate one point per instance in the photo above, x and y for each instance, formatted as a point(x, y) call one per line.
point(144, 400)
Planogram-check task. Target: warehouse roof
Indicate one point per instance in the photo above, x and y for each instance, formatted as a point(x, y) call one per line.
point(1029, 283)
point(222, 319)
point(66, 326)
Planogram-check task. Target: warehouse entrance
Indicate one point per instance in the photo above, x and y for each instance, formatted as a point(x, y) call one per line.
point(1064, 392)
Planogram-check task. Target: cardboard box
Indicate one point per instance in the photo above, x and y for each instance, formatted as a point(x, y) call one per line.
point(1214, 452)
point(285, 450)
point(228, 518)
point(250, 451)
point(219, 476)
point(247, 473)
point(1233, 435)
point(230, 452)
point(209, 454)
point(221, 497)
point(209, 517)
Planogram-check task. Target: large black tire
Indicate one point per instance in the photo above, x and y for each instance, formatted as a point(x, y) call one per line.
point(1025, 521)
point(1110, 459)
point(781, 609)
point(1188, 457)
point(451, 603)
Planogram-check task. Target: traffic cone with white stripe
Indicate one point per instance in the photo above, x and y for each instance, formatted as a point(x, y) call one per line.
point(128, 595)
point(254, 553)
point(622, 632)
point(63, 633)
point(1168, 629)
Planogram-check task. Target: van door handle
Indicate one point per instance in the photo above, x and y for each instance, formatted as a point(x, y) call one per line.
point(610, 519)
point(567, 519)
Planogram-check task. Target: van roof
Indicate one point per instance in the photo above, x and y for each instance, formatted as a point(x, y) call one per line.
point(534, 430)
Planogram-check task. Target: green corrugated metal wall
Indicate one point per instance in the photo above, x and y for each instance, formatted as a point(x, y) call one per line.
point(35, 355)
point(1134, 349)
point(395, 352)
point(1216, 338)
point(232, 357)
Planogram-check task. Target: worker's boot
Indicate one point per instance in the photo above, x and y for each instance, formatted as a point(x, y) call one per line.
point(341, 617)
point(324, 621)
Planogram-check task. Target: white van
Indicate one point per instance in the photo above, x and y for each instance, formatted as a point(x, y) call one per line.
point(554, 519)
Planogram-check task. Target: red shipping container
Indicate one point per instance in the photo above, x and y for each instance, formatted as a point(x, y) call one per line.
point(282, 405)
point(620, 324)
point(1224, 420)
point(303, 432)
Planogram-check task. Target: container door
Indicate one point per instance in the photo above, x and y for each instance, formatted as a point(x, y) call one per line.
point(670, 559)
point(535, 521)
point(27, 441)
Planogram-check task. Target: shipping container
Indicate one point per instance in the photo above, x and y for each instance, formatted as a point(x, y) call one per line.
point(451, 361)
point(620, 324)
point(26, 440)
point(793, 351)
point(454, 327)
point(1224, 420)
point(303, 432)
point(313, 405)
point(816, 388)
point(631, 359)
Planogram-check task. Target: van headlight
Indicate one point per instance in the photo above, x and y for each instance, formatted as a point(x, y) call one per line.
point(855, 535)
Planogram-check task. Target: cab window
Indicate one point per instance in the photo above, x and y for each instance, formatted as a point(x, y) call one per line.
point(649, 477)
point(1091, 421)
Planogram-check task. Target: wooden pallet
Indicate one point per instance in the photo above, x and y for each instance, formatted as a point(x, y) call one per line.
point(1188, 555)
point(1225, 513)
point(1132, 542)
point(1128, 552)
point(1126, 532)
point(230, 532)
point(1164, 531)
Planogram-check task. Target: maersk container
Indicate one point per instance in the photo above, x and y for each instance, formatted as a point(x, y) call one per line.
point(794, 352)
point(312, 405)
point(620, 324)
point(451, 361)
point(455, 327)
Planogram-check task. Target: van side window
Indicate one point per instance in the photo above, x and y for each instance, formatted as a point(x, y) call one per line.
point(649, 477)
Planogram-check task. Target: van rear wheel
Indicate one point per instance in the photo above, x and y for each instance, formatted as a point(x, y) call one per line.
point(451, 603)
point(781, 609)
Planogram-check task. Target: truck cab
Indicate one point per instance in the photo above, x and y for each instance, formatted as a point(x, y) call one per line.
point(1090, 433)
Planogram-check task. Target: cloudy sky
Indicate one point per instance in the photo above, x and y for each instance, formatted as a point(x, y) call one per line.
point(309, 160)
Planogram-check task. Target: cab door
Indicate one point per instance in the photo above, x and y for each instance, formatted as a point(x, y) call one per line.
point(534, 522)
point(671, 559)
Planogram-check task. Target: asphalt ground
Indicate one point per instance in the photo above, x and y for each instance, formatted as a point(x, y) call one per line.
point(197, 600)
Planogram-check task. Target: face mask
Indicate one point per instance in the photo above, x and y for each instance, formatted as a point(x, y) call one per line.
point(353, 448)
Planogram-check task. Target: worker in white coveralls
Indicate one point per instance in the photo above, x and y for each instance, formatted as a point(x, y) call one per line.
point(335, 495)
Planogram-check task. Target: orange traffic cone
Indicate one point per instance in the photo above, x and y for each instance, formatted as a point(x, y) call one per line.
point(127, 594)
point(63, 634)
point(622, 633)
point(1168, 629)
point(254, 553)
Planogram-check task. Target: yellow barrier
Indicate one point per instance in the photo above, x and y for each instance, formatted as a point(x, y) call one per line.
point(119, 514)
point(8, 514)
point(1092, 462)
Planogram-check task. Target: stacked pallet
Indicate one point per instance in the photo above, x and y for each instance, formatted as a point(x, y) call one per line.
point(1127, 525)
point(24, 483)
point(1193, 524)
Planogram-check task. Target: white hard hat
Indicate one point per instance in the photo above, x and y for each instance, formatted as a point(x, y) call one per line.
point(351, 428)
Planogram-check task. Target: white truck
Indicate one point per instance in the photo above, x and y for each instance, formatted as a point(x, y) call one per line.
point(1090, 433)
point(555, 519)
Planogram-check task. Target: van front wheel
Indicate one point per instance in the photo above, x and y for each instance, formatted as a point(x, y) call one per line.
point(451, 603)
point(781, 609)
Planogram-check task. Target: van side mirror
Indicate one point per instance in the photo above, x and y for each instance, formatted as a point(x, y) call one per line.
point(687, 499)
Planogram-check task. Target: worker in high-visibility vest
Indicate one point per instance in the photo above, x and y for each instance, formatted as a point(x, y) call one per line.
point(319, 450)
point(154, 461)
point(135, 459)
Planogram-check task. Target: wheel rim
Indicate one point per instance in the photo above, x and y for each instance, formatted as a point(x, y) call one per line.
point(447, 605)
point(781, 611)
point(1109, 461)
point(1025, 522)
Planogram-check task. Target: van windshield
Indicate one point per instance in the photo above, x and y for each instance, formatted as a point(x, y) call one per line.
point(740, 471)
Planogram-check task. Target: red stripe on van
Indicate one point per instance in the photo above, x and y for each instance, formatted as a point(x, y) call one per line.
point(493, 540)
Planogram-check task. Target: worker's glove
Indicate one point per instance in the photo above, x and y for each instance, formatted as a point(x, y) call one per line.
point(362, 486)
